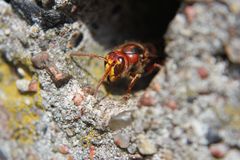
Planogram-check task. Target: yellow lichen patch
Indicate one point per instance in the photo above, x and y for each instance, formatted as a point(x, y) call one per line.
point(22, 114)
point(233, 112)
point(24, 62)
point(86, 140)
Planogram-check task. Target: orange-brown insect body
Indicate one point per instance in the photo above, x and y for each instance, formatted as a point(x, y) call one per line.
point(130, 60)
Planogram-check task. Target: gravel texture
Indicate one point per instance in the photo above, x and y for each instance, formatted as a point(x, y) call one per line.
point(190, 109)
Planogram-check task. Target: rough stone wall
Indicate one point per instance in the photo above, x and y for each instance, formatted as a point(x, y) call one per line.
point(189, 110)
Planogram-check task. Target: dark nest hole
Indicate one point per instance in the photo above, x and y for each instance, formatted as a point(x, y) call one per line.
point(113, 22)
point(118, 22)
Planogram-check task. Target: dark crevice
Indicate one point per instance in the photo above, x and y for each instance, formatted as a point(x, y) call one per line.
point(114, 22)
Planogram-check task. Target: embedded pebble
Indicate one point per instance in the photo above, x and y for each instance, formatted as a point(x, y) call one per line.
point(6, 9)
point(69, 132)
point(92, 152)
point(7, 32)
point(22, 85)
point(64, 149)
point(132, 148)
point(77, 99)
point(121, 120)
point(59, 78)
point(136, 157)
point(122, 140)
point(190, 13)
point(33, 86)
point(147, 100)
point(21, 72)
point(202, 72)
point(233, 50)
point(171, 104)
point(40, 60)
point(218, 150)
point(145, 145)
